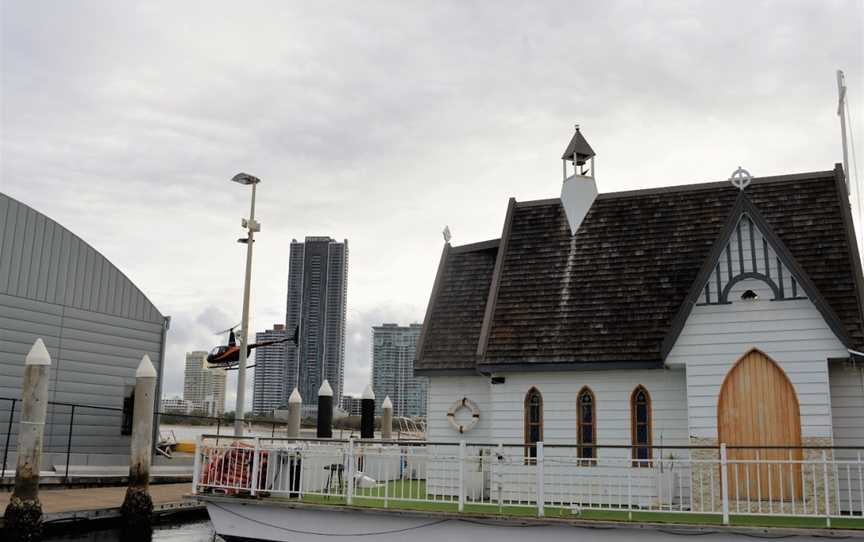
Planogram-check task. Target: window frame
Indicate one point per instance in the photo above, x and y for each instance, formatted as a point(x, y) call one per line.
point(580, 450)
point(530, 451)
point(634, 426)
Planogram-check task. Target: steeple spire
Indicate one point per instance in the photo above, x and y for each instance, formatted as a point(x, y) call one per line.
point(580, 188)
point(578, 153)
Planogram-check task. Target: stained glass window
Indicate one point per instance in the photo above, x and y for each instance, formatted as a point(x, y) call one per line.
point(533, 423)
point(586, 432)
point(640, 411)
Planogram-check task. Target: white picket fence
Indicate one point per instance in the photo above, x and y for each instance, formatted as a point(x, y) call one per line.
point(801, 482)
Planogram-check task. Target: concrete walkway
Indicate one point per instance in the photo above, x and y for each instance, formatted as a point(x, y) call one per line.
point(103, 502)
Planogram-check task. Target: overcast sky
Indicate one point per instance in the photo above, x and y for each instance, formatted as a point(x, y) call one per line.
point(381, 122)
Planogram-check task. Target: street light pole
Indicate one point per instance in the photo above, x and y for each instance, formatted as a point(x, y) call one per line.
point(252, 227)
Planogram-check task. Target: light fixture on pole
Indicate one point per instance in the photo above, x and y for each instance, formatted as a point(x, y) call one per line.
point(251, 227)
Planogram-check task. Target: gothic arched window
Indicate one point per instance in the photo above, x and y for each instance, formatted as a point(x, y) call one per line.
point(533, 423)
point(640, 415)
point(586, 426)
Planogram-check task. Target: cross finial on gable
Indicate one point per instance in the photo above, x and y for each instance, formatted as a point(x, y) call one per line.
point(446, 233)
point(741, 178)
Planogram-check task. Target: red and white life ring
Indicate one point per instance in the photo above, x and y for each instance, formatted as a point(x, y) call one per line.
point(459, 405)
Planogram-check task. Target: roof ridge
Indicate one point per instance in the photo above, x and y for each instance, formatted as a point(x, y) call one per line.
point(691, 187)
point(710, 185)
point(479, 245)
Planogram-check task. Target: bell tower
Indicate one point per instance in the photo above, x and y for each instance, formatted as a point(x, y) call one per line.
point(579, 189)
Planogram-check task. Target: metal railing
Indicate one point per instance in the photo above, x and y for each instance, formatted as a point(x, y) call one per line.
point(721, 481)
point(69, 420)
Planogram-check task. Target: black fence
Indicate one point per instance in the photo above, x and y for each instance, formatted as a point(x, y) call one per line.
point(64, 418)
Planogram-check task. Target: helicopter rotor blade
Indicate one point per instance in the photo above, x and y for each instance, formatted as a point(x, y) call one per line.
point(227, 330)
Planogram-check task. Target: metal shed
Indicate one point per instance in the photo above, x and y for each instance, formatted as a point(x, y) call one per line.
point(95, 322)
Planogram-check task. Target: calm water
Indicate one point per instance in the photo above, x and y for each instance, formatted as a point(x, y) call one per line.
point(193, 531)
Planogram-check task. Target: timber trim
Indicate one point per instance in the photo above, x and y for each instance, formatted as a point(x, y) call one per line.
point(851, 240)
point(743, 206)
point(568, 366)
point(489, 313)
point(436, 288)
point(704, 274)
point(799, 274)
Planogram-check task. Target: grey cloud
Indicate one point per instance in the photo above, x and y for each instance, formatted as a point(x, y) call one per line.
point(381, 123)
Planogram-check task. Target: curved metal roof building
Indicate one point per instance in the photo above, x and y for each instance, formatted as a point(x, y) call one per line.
point(95, 322)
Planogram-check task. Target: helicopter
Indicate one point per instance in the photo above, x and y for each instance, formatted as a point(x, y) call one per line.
point(227, 357)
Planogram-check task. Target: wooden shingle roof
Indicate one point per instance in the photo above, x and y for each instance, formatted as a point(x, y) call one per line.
point(615, 292)
point(455, 313)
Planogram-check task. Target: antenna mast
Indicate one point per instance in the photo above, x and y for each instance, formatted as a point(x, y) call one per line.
point(841, 112)
point(857, 197)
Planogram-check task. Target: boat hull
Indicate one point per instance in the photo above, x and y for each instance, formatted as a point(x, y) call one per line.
point(246, 520)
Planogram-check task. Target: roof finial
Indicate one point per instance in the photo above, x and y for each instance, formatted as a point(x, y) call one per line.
point(741, 178)
point(446, 233)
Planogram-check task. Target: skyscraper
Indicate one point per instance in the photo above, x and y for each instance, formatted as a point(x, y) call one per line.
point(203, 388)
point(270, 371)
point(317, 294)
point(393, 352)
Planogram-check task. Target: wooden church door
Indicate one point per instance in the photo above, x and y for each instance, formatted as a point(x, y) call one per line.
point(758, 407)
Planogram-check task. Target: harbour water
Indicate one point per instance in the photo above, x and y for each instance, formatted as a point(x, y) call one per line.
point(197, 530)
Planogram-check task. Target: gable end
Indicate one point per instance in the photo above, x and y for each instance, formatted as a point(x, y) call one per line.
point(736, 256)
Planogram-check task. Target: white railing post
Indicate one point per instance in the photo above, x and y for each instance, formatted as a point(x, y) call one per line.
point(541, 497)
point(629, 493)
point(724, 483)
point(196, 472)
point(499, 477)
point(825, 488)
point(461, 475)
point(256, 466)
point(349, 474)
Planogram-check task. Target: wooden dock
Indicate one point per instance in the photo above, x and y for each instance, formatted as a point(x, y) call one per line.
point(104, 502)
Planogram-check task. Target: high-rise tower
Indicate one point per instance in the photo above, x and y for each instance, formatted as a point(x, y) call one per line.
point(203, 387)
point(270, 370)
point(317, 297)
point(394, 348)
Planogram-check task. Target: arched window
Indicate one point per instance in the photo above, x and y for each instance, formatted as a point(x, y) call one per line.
point(640, 416)
point(533, 423)
point(586, 426)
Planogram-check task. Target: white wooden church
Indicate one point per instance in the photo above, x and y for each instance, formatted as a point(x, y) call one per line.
point(719, 312)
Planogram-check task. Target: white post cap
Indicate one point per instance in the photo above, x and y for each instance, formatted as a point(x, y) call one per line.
point(145, 368)
point(387, 404)
point(295, 397)
point(368, 393)
point(325, 390)
point(38, 354)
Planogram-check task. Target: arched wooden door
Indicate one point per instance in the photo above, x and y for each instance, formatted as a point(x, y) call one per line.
point(758, 407)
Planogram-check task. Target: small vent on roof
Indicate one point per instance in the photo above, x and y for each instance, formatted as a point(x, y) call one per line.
point(749, 295)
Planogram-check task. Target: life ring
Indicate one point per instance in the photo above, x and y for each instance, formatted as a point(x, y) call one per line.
point(459, 405)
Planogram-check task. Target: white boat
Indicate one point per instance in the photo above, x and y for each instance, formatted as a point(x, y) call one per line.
point(279, 489)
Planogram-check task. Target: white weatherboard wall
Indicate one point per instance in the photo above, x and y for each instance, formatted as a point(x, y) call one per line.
point(792, 332)
point(502, 405)
point(502, 421)
point(847, 409)
point(847, 404)
point(612, 390)
point(446, 390)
